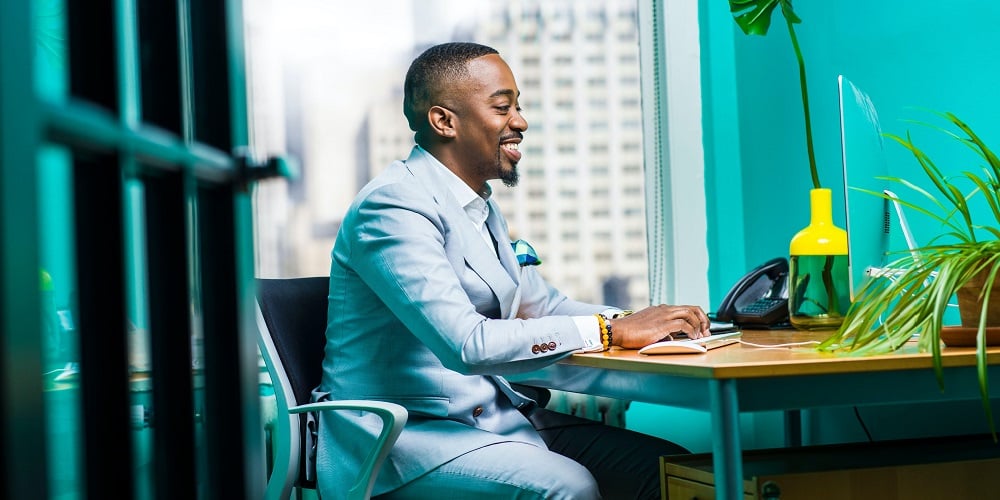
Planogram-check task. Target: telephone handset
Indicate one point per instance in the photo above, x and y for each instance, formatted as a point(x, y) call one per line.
point(760, 298)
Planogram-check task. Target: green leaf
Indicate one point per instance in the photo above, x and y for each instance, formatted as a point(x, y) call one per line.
point(753, 16)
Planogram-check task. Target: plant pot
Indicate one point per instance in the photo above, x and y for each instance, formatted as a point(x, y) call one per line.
point(820, 290)
point(970, 302)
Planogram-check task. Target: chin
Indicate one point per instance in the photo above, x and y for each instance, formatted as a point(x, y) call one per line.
point(510, 177)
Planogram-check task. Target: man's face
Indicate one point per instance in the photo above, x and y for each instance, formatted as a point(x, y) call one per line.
point(490, 124)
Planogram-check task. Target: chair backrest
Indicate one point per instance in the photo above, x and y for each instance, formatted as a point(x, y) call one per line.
point(291, 321)
point(291, 318)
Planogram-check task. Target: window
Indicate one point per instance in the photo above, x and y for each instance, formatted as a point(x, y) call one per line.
point(343, 127)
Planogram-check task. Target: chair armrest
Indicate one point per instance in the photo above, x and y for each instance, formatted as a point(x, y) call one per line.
point(393, 419)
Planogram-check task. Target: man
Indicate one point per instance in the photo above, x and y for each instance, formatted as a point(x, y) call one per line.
point(429, 308)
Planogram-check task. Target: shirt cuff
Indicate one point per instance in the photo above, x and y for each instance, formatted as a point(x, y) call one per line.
point(590, 331)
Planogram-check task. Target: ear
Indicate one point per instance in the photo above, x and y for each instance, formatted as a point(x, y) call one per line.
point(442, 121)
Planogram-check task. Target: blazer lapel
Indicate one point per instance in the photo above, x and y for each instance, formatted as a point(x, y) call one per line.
point(507, 258)
point(504, 250)
point(478, 253)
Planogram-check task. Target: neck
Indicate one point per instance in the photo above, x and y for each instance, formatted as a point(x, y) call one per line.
point(453, 163)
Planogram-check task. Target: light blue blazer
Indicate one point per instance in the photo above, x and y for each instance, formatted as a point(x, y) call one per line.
point(412, 285)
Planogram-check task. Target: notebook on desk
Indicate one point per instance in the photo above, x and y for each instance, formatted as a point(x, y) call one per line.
point(683, 345)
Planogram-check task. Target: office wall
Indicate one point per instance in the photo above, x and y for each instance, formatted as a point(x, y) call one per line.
point(908, 56)
point(905, 55)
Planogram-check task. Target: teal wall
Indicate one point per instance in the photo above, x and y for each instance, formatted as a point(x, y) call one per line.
point(908, 56)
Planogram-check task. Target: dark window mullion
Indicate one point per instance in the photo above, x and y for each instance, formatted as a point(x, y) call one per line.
point(211, 75)
point(93, 72)
point(225, 399)
point(104, 381)
point(215, 89)
point(95, 78)
point(170, 336)
point(162, 65)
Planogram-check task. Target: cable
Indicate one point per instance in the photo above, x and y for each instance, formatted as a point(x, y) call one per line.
point(864, 427)
point(779, 346)
point(857, 413)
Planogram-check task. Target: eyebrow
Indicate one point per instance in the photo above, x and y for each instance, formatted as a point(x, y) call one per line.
point(506, 92)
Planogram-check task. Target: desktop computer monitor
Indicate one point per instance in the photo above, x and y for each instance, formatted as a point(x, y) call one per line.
point(864, 161)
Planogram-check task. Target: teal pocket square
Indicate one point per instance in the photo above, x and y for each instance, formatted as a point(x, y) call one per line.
point(526, 255)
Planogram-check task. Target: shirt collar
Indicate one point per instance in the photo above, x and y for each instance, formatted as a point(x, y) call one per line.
point(471, 201)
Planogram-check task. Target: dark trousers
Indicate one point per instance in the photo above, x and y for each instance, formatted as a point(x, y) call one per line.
point(625, 463)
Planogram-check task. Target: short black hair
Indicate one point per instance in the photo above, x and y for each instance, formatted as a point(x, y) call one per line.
point(431, 71)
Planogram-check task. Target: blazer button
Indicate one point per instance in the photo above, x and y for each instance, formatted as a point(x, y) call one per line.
point(552, 346)
point(544, 347)
point(478, 411)
point(535, 349)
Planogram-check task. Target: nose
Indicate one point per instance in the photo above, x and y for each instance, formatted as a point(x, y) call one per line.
point(518, 122)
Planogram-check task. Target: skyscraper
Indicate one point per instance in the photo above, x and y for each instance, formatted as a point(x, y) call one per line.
point(580, 201)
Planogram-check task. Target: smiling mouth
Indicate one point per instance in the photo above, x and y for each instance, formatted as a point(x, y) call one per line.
point(511, 149)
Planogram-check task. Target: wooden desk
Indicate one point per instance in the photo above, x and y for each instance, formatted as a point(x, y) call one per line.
point(742, 378)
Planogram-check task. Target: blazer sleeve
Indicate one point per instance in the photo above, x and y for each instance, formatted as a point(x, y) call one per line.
point(539, 298)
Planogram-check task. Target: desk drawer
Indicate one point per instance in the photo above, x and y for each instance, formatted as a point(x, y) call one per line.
point(958, 467)
point(684, 489)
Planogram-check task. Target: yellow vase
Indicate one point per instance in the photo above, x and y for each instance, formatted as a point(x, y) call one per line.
point(819, 285)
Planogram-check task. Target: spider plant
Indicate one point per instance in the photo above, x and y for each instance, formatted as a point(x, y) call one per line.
point(913, 295)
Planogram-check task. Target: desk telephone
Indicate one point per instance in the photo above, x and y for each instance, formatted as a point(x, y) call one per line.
point(760, 298)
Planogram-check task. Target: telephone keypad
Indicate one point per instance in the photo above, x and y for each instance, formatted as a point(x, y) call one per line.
point(761, 305)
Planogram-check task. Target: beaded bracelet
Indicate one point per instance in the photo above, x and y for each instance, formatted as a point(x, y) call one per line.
point(606, 335)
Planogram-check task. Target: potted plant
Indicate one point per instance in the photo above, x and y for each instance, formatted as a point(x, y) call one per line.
point(964, 260)
point(818, 274)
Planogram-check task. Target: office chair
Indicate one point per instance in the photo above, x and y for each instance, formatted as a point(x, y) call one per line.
point(291, 321)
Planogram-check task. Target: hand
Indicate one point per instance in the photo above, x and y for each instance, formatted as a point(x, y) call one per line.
point(655, 323)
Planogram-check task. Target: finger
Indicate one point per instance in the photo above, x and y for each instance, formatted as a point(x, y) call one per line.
point(706, 322)
point(700, 324)
point(700, 320)
point(685, 325)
